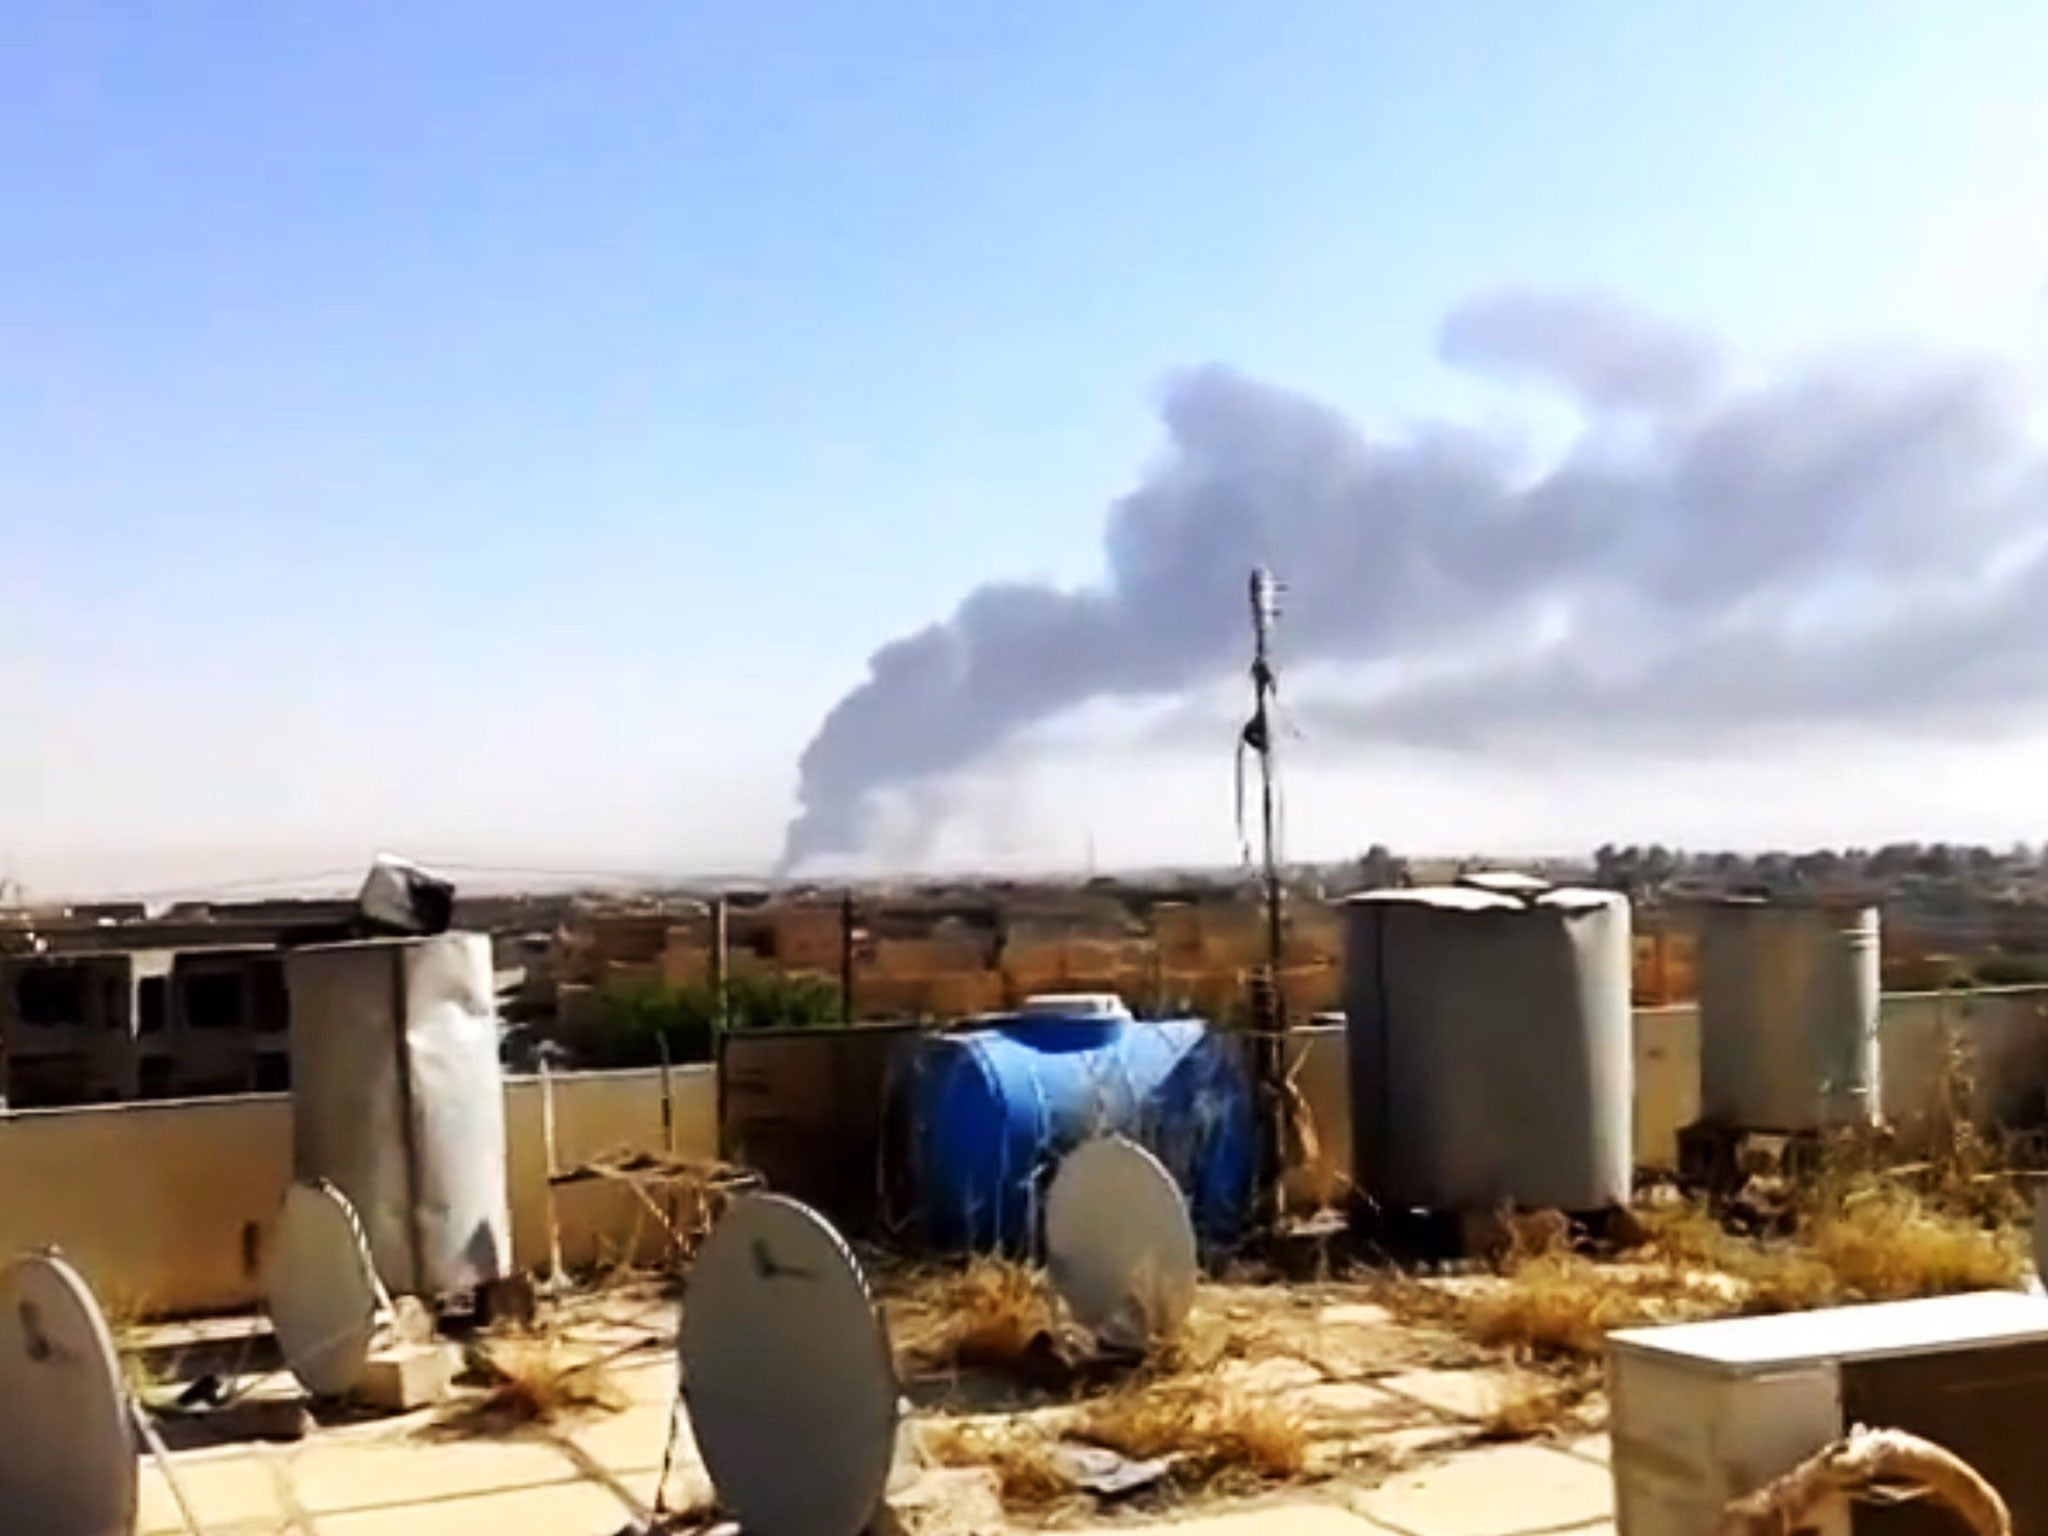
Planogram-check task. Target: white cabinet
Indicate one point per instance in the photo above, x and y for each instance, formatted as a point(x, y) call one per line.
point(1705, 1412)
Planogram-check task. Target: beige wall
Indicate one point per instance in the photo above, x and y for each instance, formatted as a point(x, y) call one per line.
point(164, 1205)
point(2003, 1032)
point(151, 1201)
point(595, 1113)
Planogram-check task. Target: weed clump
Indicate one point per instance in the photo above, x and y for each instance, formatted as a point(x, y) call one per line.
point(528, 1384)
point(993, 1315)
point(1880, 1240)
point(1852, 1234)
point(1534, 1409)
point(1216, 1438)
point(1554, 1306)
point(1028, 1474)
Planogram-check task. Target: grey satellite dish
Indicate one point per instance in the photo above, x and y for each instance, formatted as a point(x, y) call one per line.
point(787, 1372)
point(326, 1303)
point(1119, 1245)
point(67, 1450)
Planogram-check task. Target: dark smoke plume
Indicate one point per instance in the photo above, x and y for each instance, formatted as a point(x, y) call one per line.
point(1861, 542)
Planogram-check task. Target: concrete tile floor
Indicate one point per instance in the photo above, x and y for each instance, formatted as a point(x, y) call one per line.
point(1498, 1490)
point(596, 1476)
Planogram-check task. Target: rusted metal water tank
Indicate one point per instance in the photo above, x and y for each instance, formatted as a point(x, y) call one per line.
point(1488, 1036)
point(1788, 997)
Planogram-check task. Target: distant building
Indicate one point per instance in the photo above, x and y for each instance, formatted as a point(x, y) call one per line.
point(81, 1028)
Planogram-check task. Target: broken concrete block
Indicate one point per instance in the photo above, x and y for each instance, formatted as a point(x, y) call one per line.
point(403, 1377)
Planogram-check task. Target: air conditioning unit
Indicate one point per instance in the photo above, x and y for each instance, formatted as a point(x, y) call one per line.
point(1703, 1413)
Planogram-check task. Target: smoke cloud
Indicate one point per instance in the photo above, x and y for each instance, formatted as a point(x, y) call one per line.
point(1861, 542)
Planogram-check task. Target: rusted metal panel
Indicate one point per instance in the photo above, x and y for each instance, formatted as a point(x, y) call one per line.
point(1984, 1404)
point(809, 1110)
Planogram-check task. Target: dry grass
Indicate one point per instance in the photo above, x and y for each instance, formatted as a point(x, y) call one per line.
point(1881, 1241)
point(1538, 1408)
point(1214, 1440)
point(127, 1317)
point(529, 1383)
point(1858, 1234)
point(1217, 1439)
point(1553, 1306)
point(992, 1315)
point(1028, 1475)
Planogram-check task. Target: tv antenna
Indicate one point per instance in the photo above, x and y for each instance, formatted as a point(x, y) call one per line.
point(1258, 736)
point(1268, 1006)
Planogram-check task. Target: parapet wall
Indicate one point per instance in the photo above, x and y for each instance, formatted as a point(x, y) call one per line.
point(1999, 1036)
point(165, 1205)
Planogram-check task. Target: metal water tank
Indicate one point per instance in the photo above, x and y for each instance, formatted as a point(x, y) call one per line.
point(1788, 996)
point(1489, 1047)
point(398, 1100)
point(996, 1107)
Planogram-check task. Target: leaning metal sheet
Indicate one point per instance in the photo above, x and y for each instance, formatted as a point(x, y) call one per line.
point(398, 1100)
point(458, 1099)
point(67, 1442)
point(787, 1372)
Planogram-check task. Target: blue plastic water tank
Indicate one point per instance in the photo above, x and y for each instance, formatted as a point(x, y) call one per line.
point(994, 1108)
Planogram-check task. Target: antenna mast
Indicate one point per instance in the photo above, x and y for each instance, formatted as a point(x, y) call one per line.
point(1258, 735)
point(1268, 1006)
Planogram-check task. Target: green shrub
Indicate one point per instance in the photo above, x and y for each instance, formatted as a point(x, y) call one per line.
point(778, 1000)
point(638, 1019)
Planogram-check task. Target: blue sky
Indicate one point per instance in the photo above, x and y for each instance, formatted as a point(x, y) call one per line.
point(503, 430)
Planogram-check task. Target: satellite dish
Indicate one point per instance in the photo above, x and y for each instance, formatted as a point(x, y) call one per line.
point(1119, 1244)
point(67, 1456)
point(787, 1372)
point(325, 1298)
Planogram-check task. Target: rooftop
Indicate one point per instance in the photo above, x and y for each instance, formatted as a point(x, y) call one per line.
point(1401, 1446)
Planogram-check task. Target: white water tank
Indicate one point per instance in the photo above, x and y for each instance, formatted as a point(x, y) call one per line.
point(1489, 1042)
point(398, 1099)
point(1788, 998)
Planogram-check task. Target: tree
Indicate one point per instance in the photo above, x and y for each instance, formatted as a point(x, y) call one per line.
point(1380, 868)
point(1819, 867)
point(780, 1000)
point(638, 1020)
point(1939, 862)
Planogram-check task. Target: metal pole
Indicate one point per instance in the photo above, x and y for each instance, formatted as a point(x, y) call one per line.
point(668, 1103)
point(668, 1146)
point(552, 1156)
point(846, 920)
point(1262, 679)
point(718, 1014)
point(719, 944)
point(1271, 1020)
